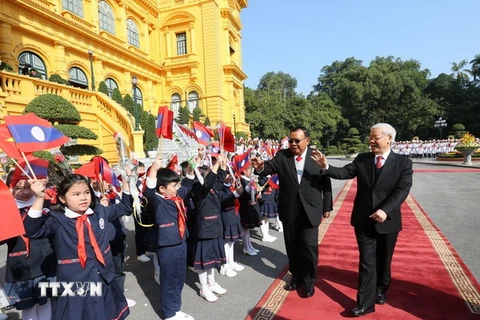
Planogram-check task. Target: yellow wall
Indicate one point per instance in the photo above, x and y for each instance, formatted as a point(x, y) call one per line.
point(62, 40)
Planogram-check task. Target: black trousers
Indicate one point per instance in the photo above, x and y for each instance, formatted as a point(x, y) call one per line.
point(141, 245)
point(301, 242)
point(376, 252)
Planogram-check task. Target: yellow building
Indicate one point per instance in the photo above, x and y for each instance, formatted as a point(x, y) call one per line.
point(183, 52)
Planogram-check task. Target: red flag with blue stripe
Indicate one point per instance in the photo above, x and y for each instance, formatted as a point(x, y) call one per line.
point(32, 133)
point(165, 123)
point(242, 161)
point(7, 144)
point(202, 133)
point(273, 182)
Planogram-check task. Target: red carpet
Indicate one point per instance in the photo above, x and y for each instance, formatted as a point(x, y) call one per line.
point(429, 279)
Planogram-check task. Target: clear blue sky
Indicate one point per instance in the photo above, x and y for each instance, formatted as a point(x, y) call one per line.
point(300, 37)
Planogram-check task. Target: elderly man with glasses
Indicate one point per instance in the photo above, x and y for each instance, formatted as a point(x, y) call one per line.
point(305, 197)
point(384, 179)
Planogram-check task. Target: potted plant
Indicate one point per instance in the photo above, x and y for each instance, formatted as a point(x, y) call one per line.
point(467, 146)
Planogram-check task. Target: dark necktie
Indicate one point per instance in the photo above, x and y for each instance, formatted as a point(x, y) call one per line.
point(182, 214)
point(82, 253)
point(379, 162)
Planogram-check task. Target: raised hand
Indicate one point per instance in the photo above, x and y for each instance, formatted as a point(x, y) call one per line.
point(319, 158)
point(257, 163)
point(38, 188)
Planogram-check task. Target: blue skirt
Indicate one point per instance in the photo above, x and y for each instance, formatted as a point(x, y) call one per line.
point(268, 210)
point(209, 253)
point(26, 293)
point(233, 233)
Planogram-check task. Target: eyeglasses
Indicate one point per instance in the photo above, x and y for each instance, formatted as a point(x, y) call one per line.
point(296, 141)
point(376, 139)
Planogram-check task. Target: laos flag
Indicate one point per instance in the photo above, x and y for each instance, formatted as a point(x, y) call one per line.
point(242, 161)
point(202, 133)
point(32, 133)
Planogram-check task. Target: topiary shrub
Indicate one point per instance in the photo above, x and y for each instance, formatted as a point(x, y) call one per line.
point(5, 66)
point(53, 108)
point(65, 117)
point(183, 116)
point(150, 139)
point(197, 114)
point(352, 143)
point(207, 122)
point(117, 96)
point(127, 103)
point(458, 130)
point(58, 79)
point(332, 150)
point(102, 87)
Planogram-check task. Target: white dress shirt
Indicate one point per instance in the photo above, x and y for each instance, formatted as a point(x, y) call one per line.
point(300, 165)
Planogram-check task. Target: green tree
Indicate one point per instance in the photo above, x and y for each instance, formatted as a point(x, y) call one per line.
point(64, 116)
point(127, 103)
point(207, 122)
point(116, 96)
point(183, 116)
point(388, 90)
point(459, 70)
point(197, 114)
point(102, 87)
point(458, 130)
point(475, 67)
point(352, 143)
point(150, 139)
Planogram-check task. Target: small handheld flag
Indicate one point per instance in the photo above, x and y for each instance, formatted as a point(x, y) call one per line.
point(165, 123)
point(202, 133)
point(32, 133)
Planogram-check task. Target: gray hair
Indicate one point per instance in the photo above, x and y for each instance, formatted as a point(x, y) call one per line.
point(388, 130)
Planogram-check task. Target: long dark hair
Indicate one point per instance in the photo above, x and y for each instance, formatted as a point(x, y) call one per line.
point(65, 184)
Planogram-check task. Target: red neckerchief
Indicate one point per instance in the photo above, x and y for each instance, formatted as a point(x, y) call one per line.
point(236, 201)
point(82, 253)
point(182, 214)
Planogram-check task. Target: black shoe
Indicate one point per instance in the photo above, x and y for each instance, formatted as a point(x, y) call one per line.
point(290, 285)
point(380, 298)
point(308, 291)
point(359, 311)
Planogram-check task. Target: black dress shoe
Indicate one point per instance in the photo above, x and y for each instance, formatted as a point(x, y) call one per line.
point(290, 285)
point(308, 291)
point(359, 311)
point(380, 298)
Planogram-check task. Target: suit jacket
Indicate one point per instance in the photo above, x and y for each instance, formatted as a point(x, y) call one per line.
point(314, 193)
point(387, 191)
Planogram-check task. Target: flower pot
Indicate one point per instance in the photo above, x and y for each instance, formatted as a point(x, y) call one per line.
point(467, 155)
point(152, 154)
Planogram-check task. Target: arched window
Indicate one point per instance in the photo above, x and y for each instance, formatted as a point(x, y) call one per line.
point(77, 78)
point(74, 6)
point(192, 100)
point(133, 36)
point(106, 17)
point(137, 96)
point(175, 104)
point(29, 61)
point(111, 85)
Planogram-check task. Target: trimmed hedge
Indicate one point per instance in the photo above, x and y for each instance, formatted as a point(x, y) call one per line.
point(80, 150)
point(53, 108)
point(76, 132)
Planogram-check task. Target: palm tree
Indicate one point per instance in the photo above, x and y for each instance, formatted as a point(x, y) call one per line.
point(476, 67)
point(459, 71)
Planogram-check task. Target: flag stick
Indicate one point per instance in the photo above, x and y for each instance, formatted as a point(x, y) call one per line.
point(20, 167)
point(160, 146)
point(28, 164)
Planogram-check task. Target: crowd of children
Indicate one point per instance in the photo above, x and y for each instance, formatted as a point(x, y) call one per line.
point(188, 220)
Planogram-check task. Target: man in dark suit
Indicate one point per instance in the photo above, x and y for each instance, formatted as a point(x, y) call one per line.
point(384, 180)
point(305, 194)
